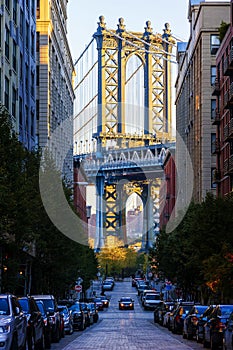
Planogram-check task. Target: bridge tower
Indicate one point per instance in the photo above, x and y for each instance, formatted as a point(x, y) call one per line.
point(113, 135)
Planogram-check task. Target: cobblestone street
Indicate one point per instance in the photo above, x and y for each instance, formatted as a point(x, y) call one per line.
point(125, 329)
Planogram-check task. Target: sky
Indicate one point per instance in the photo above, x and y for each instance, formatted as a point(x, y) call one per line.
point(84, 15)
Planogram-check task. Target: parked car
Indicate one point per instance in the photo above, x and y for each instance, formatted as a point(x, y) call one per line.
point(54, 315)
point(35, 323)
point(191, 321)
point(13, 323)
point(135, 279)
point(126, 303)
point(146, 291)
point(87, 315)
point(228, 336)
point(141, 288)
point(67, 318)
point(94, 310)
point(201, 322)
point(47, 324)
point(215, 326)
point(151, 300)
point(177, 316)
point(160, 310)
point(78, 316)
point(167, 315)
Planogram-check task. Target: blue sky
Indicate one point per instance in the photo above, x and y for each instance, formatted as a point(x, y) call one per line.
point(84, 15)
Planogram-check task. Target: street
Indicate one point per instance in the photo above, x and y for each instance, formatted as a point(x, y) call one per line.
point(125, 329)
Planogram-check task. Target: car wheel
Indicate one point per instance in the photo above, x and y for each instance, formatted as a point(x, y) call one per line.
point(42, 342)
point(206, 344)
point(30, 344)
point(14, 344)
point(71, 329)
point(57, 335)
point(213, 345)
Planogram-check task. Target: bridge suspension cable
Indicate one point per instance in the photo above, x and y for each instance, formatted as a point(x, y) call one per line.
point(142, 48)
point(151, 45)
point(84, 51)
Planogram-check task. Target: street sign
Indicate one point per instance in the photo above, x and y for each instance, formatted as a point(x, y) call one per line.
point(78, 288)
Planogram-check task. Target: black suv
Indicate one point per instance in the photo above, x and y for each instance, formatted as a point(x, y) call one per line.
point(35, 327)
point(48, 326)
point(54, 315)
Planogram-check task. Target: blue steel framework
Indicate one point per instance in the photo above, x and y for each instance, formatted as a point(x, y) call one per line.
point(124, 162)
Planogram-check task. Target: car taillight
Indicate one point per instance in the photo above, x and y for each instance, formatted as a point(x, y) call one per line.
point(194, 319)
point(45, 322)
point(220, 325)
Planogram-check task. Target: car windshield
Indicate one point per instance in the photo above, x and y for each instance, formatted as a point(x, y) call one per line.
point(24, 304)
point(48, 303)
point(41, 308)
point(225, 310)
point(63, 309)
point(4, 307)
point(200, 309)
point(126, 299)
point(97, 299)
point(153, 297)
point(75, 307)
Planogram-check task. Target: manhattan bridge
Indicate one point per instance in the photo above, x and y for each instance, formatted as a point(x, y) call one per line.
point(123, 124)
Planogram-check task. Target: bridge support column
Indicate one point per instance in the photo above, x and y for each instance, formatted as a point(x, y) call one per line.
point(99, 240)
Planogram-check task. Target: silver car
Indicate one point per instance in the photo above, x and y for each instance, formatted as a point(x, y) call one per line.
point(13, 323)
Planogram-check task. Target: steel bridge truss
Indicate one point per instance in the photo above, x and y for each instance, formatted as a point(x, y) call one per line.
point(125, 162)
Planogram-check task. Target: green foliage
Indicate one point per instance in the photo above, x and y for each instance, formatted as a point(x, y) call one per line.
point(223, 29)
point(197, 254)
point(27, 233)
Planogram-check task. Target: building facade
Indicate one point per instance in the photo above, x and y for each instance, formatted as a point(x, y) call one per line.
point(18, 67)
point(223, 120)
point(167, 195)
point(195, 105)
point(55, 74)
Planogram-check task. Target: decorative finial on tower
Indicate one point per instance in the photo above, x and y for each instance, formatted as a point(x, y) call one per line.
point(148, 30)
point(167, 29)
point(101, 23)
point(121, 25)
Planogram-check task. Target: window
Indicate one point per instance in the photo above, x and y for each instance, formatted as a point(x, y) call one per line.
point(21, 66)
point(213, 143)
point(21, 23)
point(213, 75)
point(37, 75)
point(15, 11)
point(32, 124)
point(7, 93)
point(26, 78)
point(7, 42)
point(32, 44)
point(213, 184)
point(32, 83)
point(37, 42)
point(27, 36)
point(7, 4)
point(14, 55)
point(13, 107)
point(214, 44)
point(20, 111)
point(213, 108)
point(37, 109)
